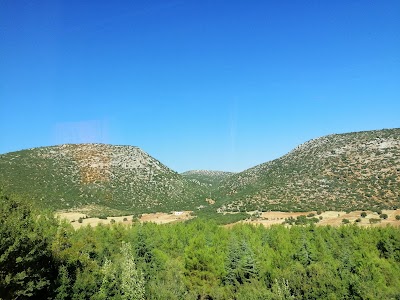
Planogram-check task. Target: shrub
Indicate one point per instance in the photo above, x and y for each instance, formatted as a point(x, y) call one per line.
point(374, 221)
point(345, 221)
point(363, 214)
point(289, 220)
point(383, 216)
point(125, 219)
point(358, 220)
point(310, 215)
point(319, 212)
point(301, 220)
point(398, 217)
point(80, 220)
point(112, 221)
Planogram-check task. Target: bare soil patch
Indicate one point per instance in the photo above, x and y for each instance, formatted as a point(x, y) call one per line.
point(162, 218)
point(78, 219)
point(333, 218)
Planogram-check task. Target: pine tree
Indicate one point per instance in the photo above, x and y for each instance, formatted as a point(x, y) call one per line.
point(132, 285)
point(241, 265)
point(64, 284)
point(27, 266)
point(109, 285)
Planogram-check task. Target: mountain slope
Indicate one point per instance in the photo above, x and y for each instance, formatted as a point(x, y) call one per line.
point(120, 177)
point(341, 171)
point(209, 178)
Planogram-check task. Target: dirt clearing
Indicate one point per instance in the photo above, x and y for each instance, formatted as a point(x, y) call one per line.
point(78, 219)
point(333, 218)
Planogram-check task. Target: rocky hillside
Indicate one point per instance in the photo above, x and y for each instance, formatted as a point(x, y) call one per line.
point(337, 172)
point(205, 177)
point(119, 177)
point(341, 171)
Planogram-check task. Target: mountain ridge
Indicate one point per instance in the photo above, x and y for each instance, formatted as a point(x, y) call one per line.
point(332, 166)
point(337, 171)
point(123, 177)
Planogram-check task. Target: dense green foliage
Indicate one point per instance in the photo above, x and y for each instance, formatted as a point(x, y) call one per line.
point(302, 220)
point(27, 265)
point(47, 259)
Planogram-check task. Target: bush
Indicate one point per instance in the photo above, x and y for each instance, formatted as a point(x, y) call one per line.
point(301, 220)
point(289, 220)
point(363, 214)
point(80, 220)
point(125, 219)
point(383, 216)
point(398, 217)
point(310, 215)
point(374, 221)
point(112, 221)
point(319, 212)
point(358, 220)
point(345, 221)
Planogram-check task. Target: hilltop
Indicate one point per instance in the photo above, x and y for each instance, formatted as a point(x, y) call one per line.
point(119, 177)
point(350, 171)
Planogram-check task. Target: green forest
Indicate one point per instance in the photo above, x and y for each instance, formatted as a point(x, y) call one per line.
point(42, 257)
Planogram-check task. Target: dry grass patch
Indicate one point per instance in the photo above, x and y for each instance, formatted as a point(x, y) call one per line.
point(78, 219)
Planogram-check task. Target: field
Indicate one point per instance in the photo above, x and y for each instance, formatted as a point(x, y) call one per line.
point(333, 218)
point(79, 219)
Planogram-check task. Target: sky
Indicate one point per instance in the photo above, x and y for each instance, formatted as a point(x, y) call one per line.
point(218, 85)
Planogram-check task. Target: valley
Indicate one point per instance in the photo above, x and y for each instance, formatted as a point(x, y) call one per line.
point(339, 172)
point(79, 221)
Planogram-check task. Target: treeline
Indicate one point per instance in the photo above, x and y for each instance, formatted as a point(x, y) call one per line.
point(43, 258)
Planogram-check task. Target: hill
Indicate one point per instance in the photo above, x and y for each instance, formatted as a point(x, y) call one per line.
point(351, 171)
point(118, 177)
point(336, 172)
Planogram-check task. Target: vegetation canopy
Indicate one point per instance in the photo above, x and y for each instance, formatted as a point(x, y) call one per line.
point(44, 258)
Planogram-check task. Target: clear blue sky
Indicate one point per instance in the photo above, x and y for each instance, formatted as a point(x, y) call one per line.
point(220, 85)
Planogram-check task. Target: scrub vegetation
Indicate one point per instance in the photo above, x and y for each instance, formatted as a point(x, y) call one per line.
point(354, 171)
